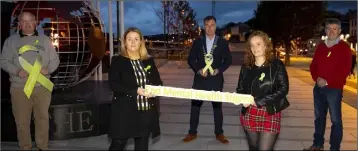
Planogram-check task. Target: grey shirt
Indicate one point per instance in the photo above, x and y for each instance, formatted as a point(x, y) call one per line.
point(9, 58)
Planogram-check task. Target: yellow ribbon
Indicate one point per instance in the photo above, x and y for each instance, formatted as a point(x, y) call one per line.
point(208, 61)
point(34, 71)
point(262, 76)
point(329, 53)
point(147, 68)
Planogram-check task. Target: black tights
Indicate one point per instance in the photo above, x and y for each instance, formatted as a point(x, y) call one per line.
point(261, 140)
point(140, 143)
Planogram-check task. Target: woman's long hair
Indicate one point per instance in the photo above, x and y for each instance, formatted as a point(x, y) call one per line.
point(143, 53)
point(249, 60)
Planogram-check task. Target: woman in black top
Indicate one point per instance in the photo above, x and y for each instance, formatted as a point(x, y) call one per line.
point(266, 80)
point(134, 113)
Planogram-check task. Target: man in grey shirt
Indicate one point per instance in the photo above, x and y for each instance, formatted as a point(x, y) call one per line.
point(39, 100)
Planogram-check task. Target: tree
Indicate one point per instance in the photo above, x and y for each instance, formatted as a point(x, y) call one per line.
point(251, 22)
point(290, 20)
point(332, 14)
point(179, 18)
point(189, 25)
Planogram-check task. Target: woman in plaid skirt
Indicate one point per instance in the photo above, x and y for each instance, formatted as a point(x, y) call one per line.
point(266, 79)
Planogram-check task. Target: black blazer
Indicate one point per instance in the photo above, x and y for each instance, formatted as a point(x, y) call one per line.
point(271, 91)
point(124, 121)
point(222, 61)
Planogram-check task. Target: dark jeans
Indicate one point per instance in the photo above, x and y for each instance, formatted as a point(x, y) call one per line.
point(140, 143)
point(195, 113)
point(324, 99)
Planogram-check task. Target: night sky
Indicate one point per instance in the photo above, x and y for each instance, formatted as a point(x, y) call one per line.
point(142, 14)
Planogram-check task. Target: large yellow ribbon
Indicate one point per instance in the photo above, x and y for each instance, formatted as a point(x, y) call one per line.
point(34, 71)
point(208, 62)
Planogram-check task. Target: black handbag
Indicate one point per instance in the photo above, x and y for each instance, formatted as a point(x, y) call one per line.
point(277, 106)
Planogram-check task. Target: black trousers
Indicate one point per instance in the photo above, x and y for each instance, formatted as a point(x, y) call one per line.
point(195, 113)
point(140, 143)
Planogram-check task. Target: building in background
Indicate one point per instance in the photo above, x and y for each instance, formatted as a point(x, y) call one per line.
point(238, 32)
point(353, 23)
point(353, 29)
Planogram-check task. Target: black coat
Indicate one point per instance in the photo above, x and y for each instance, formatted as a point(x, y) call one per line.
point(222, 61)
point(124, 120)
point(271, 91)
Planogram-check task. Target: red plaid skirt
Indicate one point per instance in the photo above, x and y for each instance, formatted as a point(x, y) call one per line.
point(258, 120)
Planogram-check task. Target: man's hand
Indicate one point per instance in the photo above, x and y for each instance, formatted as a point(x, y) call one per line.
point(44, 71)
point(321, 82)
point(22, 74)
point(216, 71)
point(204, 74)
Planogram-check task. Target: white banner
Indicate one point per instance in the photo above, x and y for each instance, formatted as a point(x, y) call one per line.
point(215, 96)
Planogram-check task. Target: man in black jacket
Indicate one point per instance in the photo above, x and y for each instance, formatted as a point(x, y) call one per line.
point(209, 58)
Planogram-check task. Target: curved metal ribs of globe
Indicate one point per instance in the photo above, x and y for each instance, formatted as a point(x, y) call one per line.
point(76, 30)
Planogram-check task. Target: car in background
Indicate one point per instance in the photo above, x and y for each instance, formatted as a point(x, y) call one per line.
point(302, 51)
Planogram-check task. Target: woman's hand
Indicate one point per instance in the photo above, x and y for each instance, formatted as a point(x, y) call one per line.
point(246, 105)
point(259, 102)
point(141, 91)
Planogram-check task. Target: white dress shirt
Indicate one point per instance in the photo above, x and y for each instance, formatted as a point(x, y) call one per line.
point(209, 44)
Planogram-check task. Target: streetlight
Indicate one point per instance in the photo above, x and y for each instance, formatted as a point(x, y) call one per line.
point(324, 37)
point(54, 38)
point(344, 37)
point(341, 37)
point(347, 35)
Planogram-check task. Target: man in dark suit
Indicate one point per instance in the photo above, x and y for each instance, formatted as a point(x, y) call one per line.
point(209, 58)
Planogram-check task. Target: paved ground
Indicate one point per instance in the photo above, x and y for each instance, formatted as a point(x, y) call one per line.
point(297, 123)
point(237, 57)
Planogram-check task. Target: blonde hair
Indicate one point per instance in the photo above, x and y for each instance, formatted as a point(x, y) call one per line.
point(143, 53)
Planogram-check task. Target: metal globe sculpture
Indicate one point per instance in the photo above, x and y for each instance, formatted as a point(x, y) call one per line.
point(76, 30)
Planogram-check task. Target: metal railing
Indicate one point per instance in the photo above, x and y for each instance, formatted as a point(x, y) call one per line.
point(183, 56)
point(180, 55)
point(174, 51)
point(160, 56)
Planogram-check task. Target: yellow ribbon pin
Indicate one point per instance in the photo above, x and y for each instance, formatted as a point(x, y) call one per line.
point(147, 68)
point(208, 61)
point(34, 71)
point(329, 53)
point(262, 76)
